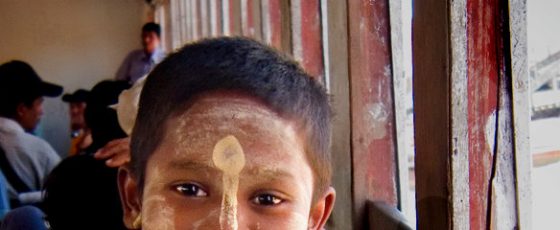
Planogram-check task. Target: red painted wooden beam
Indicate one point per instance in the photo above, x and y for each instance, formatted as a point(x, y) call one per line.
point(373, 137)
point(483, 73)
point(272, 27)
point(307, 36)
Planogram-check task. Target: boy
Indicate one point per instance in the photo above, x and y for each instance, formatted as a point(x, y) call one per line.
point(229, 135)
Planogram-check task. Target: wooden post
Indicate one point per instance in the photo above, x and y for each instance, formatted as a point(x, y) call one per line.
point(276, 24)
point(399, 97)
point(231, 17)
point(483, 95)
point(432, 107)
point(463, 116)
point(521, 111)
point(204, 14)
point(215, 13)
point(251, 19)
point(307, 36)
point(373, 125)
point(337, 18)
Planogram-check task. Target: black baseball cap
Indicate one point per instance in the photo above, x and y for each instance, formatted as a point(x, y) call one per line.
point(80, 95)
point(18, 77)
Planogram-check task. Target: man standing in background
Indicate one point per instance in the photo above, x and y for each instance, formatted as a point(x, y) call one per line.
point(25, 160)
point(140, 62)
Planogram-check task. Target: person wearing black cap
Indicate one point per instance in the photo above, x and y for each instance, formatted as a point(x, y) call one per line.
point(140, 62)
point(81, 136)
point(25, 159)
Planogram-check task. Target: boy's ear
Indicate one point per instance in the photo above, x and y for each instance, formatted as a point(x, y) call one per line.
point(130, 198)
point(322, 209)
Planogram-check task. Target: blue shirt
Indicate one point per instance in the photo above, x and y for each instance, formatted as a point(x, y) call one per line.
point(137, 64)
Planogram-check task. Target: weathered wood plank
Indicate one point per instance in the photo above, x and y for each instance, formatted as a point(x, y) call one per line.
point(184, 21)
point(399, 96)
point(197, 19)
point(483, 72)
point(432, 66)
point(521, 110)
point(187, 22)
point(204, 14)
point(306, 36)
point(459, 117)
point(251, 19)
point(231, 17)
point(373, 137)
point(276, 24)
point(503, 213)
point(337, 18)
point(215, 17)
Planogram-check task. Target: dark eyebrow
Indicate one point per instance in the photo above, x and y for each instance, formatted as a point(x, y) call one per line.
point(271, 174)
point(268, 174)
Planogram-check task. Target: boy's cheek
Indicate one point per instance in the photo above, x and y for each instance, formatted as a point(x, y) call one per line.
point(157, 213)
point(164, 213)
point(294, 217)
point(293, 220)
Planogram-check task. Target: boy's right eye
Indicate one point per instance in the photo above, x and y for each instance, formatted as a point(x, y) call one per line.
point(190, 189)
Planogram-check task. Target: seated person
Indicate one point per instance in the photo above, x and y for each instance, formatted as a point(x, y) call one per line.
point(25, 160)
point(82, 193)
point(100, 118)
point(80, 134)
point(229, 135)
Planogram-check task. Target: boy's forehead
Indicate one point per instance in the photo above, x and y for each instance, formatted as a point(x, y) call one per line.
point(212, 117)
point(222, 103)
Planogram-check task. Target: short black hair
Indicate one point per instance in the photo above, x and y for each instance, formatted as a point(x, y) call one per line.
point(152, 27)
point(81, 193)
point(244, 66)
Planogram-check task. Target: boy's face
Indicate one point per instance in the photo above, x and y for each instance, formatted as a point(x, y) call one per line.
point(185, 186)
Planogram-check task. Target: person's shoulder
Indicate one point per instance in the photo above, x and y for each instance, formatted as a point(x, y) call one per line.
point(160, 55)
point(34, 144)
point(135, 53)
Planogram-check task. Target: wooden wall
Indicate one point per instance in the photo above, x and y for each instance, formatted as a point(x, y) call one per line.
point(470, 139)
point(468, 131)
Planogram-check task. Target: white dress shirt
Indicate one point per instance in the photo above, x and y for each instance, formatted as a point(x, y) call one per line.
point(31, 158)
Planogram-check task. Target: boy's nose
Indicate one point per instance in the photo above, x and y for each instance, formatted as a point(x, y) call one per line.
point(243, 221)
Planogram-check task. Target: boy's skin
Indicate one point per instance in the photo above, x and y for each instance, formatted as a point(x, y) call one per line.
point(183, 187)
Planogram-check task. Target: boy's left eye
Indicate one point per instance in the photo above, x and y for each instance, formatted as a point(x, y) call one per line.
point(191, 190)
point(267, 200)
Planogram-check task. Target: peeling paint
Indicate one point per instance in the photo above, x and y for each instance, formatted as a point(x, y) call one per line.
point(378, 116)
point(490, 131)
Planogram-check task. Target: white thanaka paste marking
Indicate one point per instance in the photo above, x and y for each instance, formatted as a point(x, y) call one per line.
point(228, 156)
point(156, 214)
point(160, 219)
